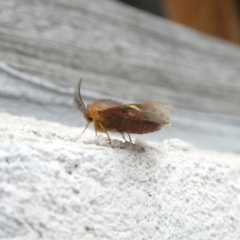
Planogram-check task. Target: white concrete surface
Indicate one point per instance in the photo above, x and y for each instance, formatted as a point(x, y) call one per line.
point(58, 184)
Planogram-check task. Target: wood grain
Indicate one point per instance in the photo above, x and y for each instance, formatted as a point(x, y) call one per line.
point(120, 52)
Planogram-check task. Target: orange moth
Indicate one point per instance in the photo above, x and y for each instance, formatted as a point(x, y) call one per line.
point(111, 116)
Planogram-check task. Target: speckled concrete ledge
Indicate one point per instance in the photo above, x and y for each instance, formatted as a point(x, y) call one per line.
point(58, 184)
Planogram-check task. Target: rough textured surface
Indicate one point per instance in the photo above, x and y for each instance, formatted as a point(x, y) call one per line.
point(58, 184)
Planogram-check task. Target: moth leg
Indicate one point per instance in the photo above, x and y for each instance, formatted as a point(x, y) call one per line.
point(105, 132)
point(129, 138)
point(86, 127)
point(123, 136)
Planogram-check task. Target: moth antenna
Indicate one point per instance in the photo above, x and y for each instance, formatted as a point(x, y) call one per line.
point(78, 99)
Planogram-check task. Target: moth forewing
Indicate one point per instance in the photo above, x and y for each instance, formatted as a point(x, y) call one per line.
point(136, 118)
point(163, 112)
point(150, 111)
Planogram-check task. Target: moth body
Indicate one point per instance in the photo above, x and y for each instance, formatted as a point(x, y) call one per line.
point(111, 116)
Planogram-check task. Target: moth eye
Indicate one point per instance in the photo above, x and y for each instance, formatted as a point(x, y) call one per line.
point(90, 119)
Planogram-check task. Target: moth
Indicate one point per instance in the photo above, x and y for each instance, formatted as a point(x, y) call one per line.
point(112, 116)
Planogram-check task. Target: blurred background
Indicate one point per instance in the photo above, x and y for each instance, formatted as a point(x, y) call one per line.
point(220, 18)
point(183, 53)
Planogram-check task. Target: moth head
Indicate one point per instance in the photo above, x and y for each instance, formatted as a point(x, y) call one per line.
point(77, 99)
point(88, 116)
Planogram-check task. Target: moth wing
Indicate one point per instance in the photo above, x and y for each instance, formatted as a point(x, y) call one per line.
point(153, 112)
point(158, 112)
point(101, 106)
point(105, 104)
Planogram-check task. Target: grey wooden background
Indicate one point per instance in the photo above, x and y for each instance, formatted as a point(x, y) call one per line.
point(121, 53)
